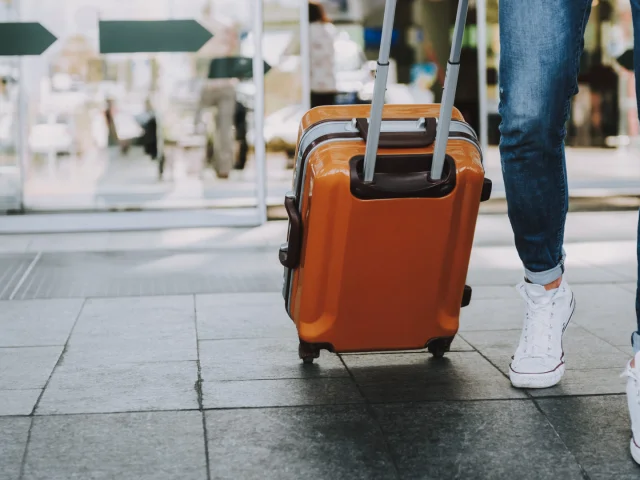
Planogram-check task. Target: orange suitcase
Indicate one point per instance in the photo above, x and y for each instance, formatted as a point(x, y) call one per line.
point(375, 264)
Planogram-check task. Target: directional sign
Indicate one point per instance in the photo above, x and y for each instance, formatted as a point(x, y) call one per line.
point(233, 67)
point(152, 36)
point(24, 39)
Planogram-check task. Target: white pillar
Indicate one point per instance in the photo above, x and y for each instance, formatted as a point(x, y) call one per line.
point(481, 15)
point(23, 116)
point(258, 112)
point(305, 55)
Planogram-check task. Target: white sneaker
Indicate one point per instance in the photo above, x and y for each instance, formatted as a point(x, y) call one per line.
point(633, 400)
point(539, 358)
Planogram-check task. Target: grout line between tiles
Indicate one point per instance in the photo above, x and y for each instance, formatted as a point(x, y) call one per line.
point(35, 406)
point(311, 405)
point(198, 387)
point(372, 414)
point(583, 472)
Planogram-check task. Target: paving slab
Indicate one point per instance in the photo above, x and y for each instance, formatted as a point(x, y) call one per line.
point(501, 266)
point(257, 315)
point(597, 431)
point(582, 349)
point(135, 273)
point(154, 446)
point(121, 388)
point(13, 440)
point(280, 393)
point(295, 443)
point(480, 440)
point(629, 286)
point(419, 377)
point(14, 243)
point(618, 257)
point(141, 329)
point(260, 359)
point(70, 242)
point(188, 238)
point(497, 292)
point(18, 402)
point(37, 322)
point(607, 311)
point(626, 349)
point(27, 367)
point(602, 381)
point(492, 314)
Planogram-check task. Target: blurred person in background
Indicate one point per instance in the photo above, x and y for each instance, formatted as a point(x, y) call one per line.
point(240, 121)
point(221, 94)
point(322, 36)
point(109, 116)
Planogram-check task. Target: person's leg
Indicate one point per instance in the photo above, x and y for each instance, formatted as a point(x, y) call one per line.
point(541, 43)
point(225, 138)
point(633, 368)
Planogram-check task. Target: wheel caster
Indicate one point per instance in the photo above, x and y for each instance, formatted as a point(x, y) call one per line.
point(439, 346)
point(308, 352)
point(437, 352)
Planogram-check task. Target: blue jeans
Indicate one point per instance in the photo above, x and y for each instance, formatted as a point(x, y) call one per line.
point(541, 43)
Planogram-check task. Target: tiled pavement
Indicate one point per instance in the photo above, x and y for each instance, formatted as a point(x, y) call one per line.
point(177, 361)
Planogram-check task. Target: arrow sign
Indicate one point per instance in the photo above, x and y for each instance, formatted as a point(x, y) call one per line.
point(24, 39)
point(233, 67)
point(152, 36)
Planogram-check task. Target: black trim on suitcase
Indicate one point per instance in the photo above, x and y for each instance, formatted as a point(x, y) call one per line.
point(290, 252)
point(487, 187)
point(466, 296)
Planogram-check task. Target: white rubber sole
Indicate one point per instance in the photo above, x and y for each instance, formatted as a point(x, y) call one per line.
point(635, 451)
point(536, 380)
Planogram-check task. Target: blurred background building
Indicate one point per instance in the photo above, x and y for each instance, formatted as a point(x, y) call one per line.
point(76, 126)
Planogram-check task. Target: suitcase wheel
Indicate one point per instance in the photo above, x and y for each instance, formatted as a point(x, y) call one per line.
point(308, 352)
point(439, 346)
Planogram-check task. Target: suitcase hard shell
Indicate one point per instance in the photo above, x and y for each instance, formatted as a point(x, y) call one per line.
point(381, 219)
point(374, 271)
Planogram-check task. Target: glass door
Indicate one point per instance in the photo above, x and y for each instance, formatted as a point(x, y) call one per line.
point(136, 130)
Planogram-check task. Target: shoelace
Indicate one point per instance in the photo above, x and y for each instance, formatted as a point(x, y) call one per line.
point(538, 327)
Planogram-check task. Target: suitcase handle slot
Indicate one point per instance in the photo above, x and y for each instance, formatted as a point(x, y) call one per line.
point(418, 139)
point(402, 176)
point(290, 252)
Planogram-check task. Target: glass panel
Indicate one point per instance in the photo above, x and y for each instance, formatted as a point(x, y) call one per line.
point(137, 130)
point(10, 180)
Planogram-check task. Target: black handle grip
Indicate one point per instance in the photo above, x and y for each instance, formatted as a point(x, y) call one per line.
point(420, 139)
point(402, 176)
point(290, 252)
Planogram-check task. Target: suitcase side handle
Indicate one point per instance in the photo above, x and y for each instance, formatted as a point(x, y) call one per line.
point(289, 254)
point(419, 139)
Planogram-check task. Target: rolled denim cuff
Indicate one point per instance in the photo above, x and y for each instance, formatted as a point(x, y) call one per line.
point(548, 276)
point(635, 342)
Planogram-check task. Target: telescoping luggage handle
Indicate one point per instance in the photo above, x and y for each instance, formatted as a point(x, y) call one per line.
point(380, 85)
